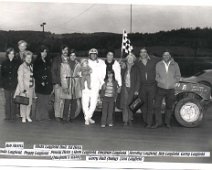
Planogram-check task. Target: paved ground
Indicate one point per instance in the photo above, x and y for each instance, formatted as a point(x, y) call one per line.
point(116, 138)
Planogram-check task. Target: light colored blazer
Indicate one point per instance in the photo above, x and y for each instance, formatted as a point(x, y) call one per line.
point(25, 82)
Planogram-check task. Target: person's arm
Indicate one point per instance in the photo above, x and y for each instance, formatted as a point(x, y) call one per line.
point(21, 79)
point(37, 72)
point(157, 78)
point(64, 78)
point(117, 69)
point(177, 73)
point(102, 73)
point(138, 82)
point(3, 71)
point(54, 72)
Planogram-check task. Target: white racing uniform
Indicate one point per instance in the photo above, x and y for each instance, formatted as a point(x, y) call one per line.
point(90, 96)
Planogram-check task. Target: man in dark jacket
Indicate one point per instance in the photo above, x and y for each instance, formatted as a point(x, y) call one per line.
point(147, 66)
point(167, 75)
point(56, 80)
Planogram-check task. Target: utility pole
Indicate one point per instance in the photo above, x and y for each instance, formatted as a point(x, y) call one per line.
point(43, 25)
point(130, 18)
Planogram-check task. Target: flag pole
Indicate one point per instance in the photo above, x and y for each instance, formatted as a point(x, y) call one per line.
point(130, 18)
point(122, 44)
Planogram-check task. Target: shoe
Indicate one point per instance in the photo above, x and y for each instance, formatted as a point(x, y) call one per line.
point(130, 122)
point(148, 126)
point(110, 125)
point(91, 121)
point(168, 126)
point(57, 119)
point(87, 122)
point(102, 126)
point(29, 119)
point(155, 126)
point(125, 124)
point(23, 120)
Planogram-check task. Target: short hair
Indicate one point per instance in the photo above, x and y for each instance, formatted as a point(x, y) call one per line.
point(22, 42)
point(43, 47)
point(26, 53)
point(64, 46)
point(143, 48)
point(167, 50)
point(111, 51)
point(72, 51)
point(109, 72)
point(9, 50)
point(131, 55)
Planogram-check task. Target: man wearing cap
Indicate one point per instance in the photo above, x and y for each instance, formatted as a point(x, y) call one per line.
point(90, 96)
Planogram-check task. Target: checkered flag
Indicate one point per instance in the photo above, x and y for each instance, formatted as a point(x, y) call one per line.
point(126, 46)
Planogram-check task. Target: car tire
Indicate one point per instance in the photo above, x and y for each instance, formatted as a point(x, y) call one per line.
point(189, 112)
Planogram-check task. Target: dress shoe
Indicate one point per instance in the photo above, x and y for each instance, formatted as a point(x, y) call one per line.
point(168, 126)
point(148, 126)
point(23, 120)
point(91, 121)
point(57, 119)
point(29, 119)
point(125, 124)
point(87, 122)
point(102, 126)
point(130, 122)
point(155, 126)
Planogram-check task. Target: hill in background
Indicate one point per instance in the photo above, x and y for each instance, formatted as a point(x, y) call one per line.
point(191, 47)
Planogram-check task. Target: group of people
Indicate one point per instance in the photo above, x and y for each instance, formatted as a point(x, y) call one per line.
point(79, 83)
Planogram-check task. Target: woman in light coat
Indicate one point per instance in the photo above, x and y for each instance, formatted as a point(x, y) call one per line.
point(26, 85)
point(70, 82)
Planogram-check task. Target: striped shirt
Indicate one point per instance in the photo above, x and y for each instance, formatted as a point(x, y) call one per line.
point(109, 89)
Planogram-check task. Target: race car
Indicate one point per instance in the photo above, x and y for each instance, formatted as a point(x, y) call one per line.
point(191, 100)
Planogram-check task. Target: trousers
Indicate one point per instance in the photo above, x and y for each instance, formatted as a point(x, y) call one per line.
point(107, 110)
point(89, 101)
point(10, 106)
point(59, 103)
point(169, 99)
point(147, 94)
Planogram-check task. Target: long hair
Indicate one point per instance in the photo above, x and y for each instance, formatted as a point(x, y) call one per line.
point(42, 49)
point(9, 50)
point(109, 72)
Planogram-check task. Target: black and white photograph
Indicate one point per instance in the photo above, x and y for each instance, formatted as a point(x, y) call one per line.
point(105, 85)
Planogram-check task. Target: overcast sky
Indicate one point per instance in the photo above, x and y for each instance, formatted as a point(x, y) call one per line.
point(88, 18)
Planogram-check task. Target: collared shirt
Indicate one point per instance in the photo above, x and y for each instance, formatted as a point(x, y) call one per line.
point(166, 65)
point(145, 63)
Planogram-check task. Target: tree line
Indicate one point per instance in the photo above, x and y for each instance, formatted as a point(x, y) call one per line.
point(194, 39)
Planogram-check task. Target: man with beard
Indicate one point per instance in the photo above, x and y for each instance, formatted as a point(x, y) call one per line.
point(147, 73)
point(90, 96)
point(56, 80)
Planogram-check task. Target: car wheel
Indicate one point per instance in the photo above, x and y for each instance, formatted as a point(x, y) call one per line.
point(189, 112)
